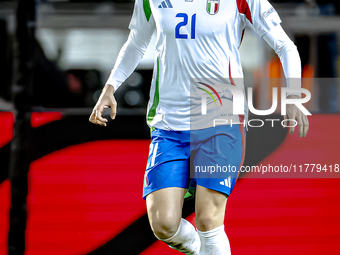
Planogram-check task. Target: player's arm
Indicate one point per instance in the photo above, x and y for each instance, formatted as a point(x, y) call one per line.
point(142, 26)
point(265, 21)
point(291, 63)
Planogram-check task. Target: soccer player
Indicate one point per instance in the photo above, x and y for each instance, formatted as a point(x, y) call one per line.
point(196, 50)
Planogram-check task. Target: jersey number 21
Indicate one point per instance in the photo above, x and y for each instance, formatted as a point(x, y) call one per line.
point(178, 35)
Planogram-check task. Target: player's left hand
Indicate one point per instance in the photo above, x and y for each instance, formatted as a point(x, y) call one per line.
point(294, 113)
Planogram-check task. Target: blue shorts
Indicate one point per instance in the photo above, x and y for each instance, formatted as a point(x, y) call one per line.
point(209, 157)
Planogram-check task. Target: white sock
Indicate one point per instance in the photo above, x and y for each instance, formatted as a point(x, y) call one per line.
point(185, 240)
point(214, 242)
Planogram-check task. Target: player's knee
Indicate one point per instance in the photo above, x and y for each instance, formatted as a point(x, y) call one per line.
point(206, 219)
point(165, 227)
point(205, 223)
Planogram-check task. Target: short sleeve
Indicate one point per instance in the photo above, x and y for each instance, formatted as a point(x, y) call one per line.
point(259, 15)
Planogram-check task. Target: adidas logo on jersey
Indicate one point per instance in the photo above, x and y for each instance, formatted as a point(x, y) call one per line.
point(165, 4)
point(226, 182)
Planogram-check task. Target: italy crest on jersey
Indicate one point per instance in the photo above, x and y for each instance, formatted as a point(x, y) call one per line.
point(212, 6)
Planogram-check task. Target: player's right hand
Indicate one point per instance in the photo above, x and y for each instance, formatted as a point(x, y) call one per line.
point(105, 100)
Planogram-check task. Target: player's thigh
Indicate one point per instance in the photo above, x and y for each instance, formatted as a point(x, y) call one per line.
point(210, 208)
point(164, 207)
point(216, 163)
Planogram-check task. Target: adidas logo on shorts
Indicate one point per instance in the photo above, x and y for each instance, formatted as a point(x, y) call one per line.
point(226, 182)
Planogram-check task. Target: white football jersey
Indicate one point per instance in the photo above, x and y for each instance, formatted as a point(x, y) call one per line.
point(197, 43)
